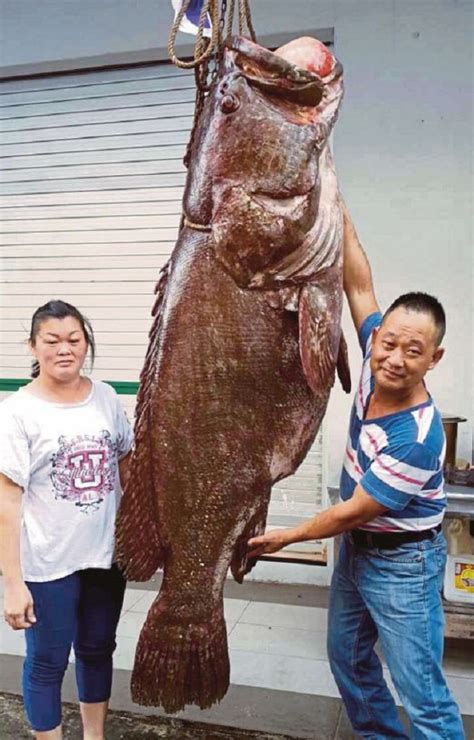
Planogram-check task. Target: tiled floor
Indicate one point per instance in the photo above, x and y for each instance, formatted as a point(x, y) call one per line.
point(274, 646)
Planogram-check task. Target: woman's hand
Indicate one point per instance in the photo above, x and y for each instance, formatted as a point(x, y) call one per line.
point(269, 542)
point(18, 605)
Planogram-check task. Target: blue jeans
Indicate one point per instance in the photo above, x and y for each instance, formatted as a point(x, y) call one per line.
point(393, 596)
point(82, 609)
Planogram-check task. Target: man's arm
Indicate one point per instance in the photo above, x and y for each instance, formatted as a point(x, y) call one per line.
point(358, 285)
point(346, 515)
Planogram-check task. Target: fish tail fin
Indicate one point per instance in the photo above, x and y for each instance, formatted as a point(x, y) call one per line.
point(179, 664)
point(241, 564)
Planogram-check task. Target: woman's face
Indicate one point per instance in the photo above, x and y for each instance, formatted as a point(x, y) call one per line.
point(60, 346)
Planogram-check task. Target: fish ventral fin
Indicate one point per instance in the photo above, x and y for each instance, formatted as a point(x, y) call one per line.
point(241, 564)
point(138, 548)
point(343, 368)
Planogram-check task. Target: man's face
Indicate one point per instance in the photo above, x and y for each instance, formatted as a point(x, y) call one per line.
point(403, 350)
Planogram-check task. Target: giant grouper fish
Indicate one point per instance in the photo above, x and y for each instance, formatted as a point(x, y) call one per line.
point(242, 354)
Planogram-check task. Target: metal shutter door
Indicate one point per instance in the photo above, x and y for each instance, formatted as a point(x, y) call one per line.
point(91, 187)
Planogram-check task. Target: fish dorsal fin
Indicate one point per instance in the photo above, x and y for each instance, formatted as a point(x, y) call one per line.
point(138, 545)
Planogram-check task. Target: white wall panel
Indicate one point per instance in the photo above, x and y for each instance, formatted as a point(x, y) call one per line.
point(155, 194)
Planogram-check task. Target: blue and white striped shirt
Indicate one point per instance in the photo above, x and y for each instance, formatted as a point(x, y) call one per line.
point(398, 458)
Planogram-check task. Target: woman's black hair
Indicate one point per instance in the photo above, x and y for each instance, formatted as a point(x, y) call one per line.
point(57, 309)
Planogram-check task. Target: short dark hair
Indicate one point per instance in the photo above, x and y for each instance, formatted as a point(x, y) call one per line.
point(57, 309)
point(422, 303)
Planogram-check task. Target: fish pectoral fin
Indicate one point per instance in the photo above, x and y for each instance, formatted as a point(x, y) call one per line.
point(319, 336)
point(343, 367)
point(241, 564)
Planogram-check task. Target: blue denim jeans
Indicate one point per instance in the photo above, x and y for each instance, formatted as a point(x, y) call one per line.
point(82, 609)
point(393, 596)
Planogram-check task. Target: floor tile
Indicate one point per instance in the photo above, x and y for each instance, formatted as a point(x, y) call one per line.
point(130, 624)
point(234, 609)
point(274, 646)
point(144, 601)
point(285, 615)
point(124, 655)
point(132, 595)
point(279, 641)
point(282, 673)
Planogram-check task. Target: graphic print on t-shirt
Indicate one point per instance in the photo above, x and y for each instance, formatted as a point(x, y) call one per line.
point(84, 470)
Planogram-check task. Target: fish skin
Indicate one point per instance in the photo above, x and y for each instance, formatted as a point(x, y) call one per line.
point(237, 375)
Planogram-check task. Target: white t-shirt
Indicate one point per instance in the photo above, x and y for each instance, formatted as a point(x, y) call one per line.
point(65, 457)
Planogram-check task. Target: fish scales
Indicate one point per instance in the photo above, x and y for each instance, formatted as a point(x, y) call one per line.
point(240, 363)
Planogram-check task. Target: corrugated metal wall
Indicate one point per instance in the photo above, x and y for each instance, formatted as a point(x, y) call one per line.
point(91, 186)
point(90, 198)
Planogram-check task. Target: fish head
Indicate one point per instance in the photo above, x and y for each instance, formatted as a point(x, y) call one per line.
point(267, 125)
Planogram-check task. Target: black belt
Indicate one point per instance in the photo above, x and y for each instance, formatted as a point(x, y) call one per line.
point(390, 540)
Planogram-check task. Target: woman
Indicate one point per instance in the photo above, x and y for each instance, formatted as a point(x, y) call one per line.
point(64, 446)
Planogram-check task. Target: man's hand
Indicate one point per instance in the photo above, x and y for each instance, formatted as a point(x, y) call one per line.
point(341, 517)
point(269, 542)
point(18, 605)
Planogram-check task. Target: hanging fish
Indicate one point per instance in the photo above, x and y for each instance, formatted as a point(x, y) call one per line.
point(242, 355)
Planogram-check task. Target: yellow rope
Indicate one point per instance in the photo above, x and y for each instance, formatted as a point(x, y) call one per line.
point(196, 227)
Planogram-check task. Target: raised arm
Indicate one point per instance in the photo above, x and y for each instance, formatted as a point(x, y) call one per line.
point(358, 285)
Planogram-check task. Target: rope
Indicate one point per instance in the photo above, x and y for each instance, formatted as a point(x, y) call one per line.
point(196, 227)
point(230, 19)
point(221, 21)
point(203, 49)
point(248, 19)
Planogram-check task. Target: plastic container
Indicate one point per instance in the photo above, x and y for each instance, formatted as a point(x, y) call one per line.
point(459, 577)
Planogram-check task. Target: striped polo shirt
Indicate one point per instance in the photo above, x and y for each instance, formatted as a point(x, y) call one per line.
point(398, 458)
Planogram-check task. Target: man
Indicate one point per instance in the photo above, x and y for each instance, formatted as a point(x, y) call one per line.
point(386, 584)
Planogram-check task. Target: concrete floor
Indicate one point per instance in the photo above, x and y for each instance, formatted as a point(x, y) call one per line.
point(122, 726)
point(281, 684)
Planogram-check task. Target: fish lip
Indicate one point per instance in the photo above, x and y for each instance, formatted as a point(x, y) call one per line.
point(272, 62)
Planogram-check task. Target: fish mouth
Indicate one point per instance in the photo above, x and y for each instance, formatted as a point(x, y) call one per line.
point(277, 76)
